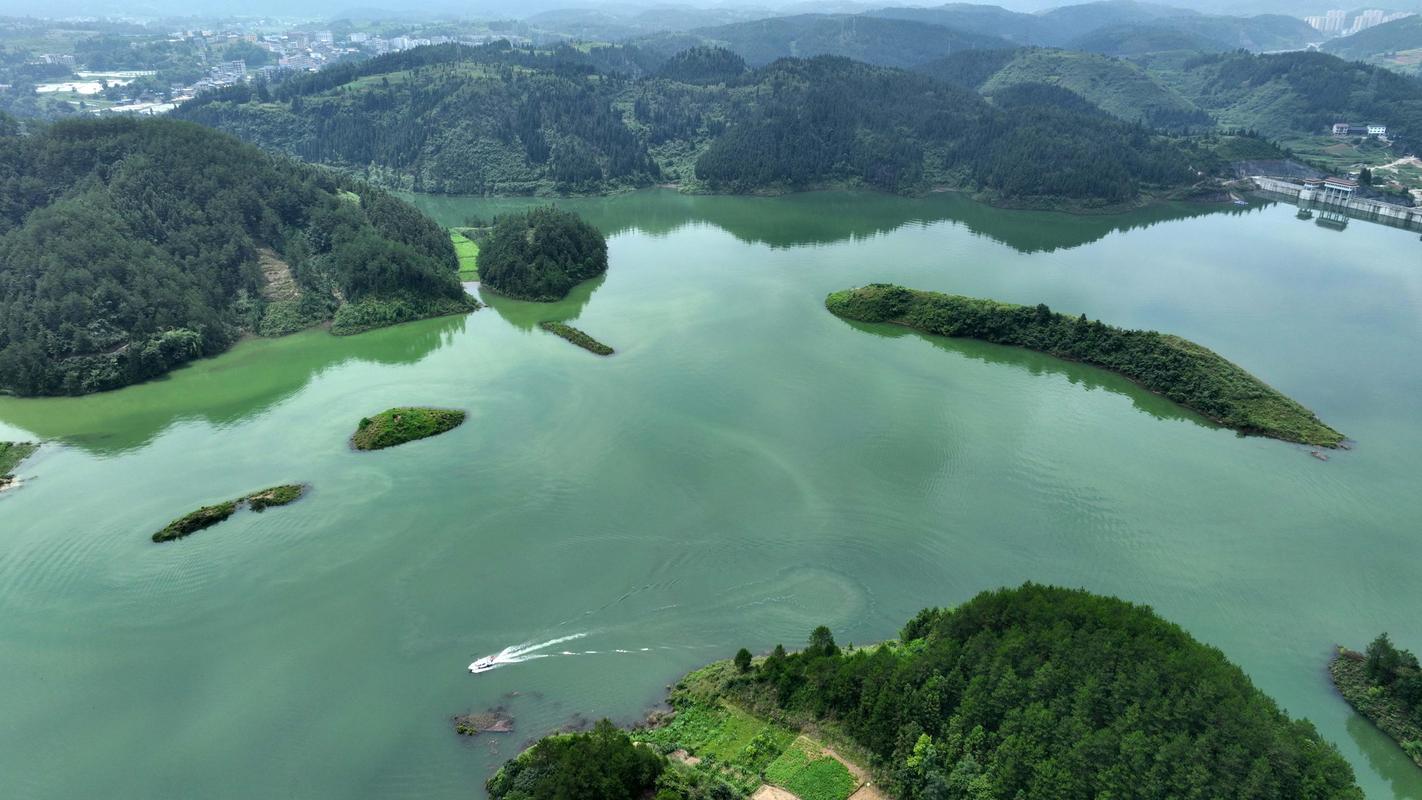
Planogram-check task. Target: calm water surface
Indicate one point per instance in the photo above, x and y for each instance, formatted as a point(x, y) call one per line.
point(746, 467)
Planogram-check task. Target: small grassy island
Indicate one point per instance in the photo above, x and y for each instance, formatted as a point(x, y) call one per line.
point(577, 337)
point(1178, 369)
point(400, 425)
point(1384, 684)
point(541, 254)
point(207, 516)
point(1030, 692)
point(11, 454)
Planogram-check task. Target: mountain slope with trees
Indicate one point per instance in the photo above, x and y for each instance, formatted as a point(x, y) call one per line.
point(1376, 44)
point(490, 120)
point(1289, 94)
point(1118, 87)
point(128, 248)
point(873, 40)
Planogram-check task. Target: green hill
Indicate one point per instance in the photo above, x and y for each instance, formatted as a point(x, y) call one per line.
point(1203, 33)
point(1296, 94)
point(128, 248)
point(885, 42)
point(1396, 45)
point(1032, 692)
point(484, 120)
point(1118, 87)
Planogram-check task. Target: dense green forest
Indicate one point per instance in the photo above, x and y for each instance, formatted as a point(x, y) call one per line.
point(541, 254)
point(128, 248)
point(1117, 86)
point(1176, 368)
point(1033, 692)
point(496, 120)
point(1047, 692)
point(1384, 684)
point(1295, 93)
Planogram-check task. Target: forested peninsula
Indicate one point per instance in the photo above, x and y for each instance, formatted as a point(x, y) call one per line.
point(1384, 684)
point(1030, 692)
point(1176, 368)
point(500, 120)
point(130, 247)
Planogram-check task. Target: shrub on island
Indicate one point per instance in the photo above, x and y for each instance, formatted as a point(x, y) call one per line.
point(541, 254)
point(577, 337)
point(400, 425)
point(1176, 368)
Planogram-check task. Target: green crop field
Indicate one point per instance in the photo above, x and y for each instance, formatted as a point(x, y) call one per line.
point(468, 252)
point(803, 770)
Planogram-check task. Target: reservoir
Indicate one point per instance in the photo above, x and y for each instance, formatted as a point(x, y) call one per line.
point(745, 467)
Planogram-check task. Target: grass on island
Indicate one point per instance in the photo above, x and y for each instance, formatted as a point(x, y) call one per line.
point(1176, 368)
point(188, 524)
point(1379, 704)
point(400, 425)
point(207, 516)
point(11, 454)
point(275, 496)
point(577, 337)
point(468, 252)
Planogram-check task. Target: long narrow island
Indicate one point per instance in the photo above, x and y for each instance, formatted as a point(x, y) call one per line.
point(1178, 369)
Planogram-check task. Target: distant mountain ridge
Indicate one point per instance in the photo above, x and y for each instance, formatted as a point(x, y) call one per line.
point(873, 40)
point(1104, 26)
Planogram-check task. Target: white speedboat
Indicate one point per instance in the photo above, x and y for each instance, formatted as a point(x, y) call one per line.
point(482, 665)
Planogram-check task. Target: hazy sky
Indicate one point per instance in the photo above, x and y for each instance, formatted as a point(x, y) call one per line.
point(521, 8)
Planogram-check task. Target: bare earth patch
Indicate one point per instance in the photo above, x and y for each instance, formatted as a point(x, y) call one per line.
point(768, 792)
point(685, 758)
point(277, 281)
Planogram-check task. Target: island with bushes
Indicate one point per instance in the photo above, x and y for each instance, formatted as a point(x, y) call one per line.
point(1035, 691)
point(540, 254)
point(208, 516)
point(1175, 368)
point(577, 337)
point(1384, 684)
point(397, 426)
point(11, 454)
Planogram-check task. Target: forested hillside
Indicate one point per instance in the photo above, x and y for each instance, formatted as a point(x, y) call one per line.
point(128, 248)
point(1199, 32)
point(1383, 44)
point(874, 40)
point(1296, 93)
point(1118, 87)
point(1045, 692)
point(486, 120)
point(1034, 692)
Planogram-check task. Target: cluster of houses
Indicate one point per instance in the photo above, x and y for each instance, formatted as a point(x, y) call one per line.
point(1351, 129)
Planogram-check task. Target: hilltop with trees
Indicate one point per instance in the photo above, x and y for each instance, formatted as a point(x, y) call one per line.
point(1029, 692)
point(541, 254)
point(128, 248)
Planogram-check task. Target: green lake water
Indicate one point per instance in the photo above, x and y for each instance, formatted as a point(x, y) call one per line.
point(746, 467)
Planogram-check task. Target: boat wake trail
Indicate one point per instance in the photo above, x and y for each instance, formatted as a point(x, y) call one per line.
point(529, 651)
